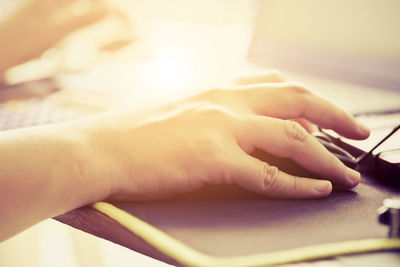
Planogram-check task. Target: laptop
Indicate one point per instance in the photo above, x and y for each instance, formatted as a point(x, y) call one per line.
point(348, 51)
point(341, 48)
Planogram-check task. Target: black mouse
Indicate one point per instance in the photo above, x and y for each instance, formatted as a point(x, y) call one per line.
point(344, 156)
point(291, 167)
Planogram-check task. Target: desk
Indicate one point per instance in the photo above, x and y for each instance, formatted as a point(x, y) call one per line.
point(225, 221)
point(228, 221)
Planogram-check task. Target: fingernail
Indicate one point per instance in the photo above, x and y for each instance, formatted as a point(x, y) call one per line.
point(363, 129)
point(324, 187)
point(353, 177)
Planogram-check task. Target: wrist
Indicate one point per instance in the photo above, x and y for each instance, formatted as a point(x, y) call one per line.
point(63, 158)
point(43, 174)
point(84, 167)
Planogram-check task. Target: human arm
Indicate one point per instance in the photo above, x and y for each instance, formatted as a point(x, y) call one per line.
point(40, 176)
point(204, 139)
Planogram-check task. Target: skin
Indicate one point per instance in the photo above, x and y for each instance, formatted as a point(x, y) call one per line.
point(43, 23)
point(207, 138)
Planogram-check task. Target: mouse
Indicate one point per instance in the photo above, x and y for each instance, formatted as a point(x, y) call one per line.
point(344, 156)
point(291, 167)
point(384, 170)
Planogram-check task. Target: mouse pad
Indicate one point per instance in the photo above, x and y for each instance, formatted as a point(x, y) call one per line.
point(230, 221)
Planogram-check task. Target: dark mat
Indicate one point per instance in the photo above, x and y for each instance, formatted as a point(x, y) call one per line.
point(229, 221)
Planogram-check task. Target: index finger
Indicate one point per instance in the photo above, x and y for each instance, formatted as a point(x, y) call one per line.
point(293, 100)
point(287, 139)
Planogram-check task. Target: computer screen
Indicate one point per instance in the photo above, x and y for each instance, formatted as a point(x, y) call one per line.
point(355, 40)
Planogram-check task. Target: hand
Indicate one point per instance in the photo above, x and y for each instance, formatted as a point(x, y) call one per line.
point(204, 139)
point(39, 24)
point(273, 76)
point(208, 139)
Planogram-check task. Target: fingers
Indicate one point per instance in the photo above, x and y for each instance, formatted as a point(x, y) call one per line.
point(268, 76)
point(308, 126)
point(288, 139)
point(292, 100)
point(257, 176)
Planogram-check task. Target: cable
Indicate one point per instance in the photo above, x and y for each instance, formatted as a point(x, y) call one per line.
point(191, 257)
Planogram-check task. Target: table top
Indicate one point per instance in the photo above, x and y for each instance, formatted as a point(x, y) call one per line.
point(228, 221)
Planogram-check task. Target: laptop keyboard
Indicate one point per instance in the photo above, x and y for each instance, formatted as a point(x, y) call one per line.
point(17, 114)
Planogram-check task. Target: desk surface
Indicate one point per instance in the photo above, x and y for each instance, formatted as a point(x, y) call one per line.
point(228, 221)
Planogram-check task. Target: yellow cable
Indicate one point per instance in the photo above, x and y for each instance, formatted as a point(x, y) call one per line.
point(191, 257)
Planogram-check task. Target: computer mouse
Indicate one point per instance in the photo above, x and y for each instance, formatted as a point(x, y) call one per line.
point(291, 167)
point(344, 156)
point(385, 167)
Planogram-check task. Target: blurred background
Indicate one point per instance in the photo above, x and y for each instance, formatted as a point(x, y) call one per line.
point(60, 59)
point(120, 53)
point(161, 47)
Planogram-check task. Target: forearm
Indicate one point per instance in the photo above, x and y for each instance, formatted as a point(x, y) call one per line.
point(41, 176)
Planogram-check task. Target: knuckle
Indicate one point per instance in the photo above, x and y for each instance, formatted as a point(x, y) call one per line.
point(270, 177)
point(215, 91)
point(302, 97)
point(299, 88)
point(216, 115)
point(214, 94)
point(212, 111)
point(210, 96)
point(334, 162)
point(274, 72)
point(295, 134)
point(276, 75)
